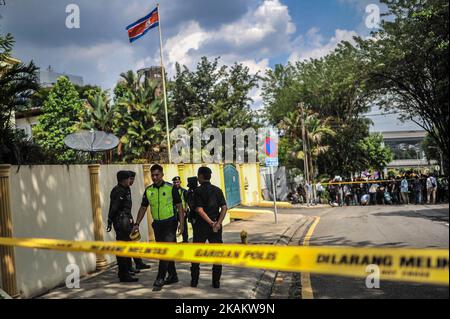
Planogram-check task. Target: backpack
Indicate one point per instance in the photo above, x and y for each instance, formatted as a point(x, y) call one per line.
point(433, 183)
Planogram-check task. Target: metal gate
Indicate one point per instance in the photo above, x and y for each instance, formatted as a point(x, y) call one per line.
point(232, 186)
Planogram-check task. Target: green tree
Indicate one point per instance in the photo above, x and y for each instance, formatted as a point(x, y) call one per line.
point(332, 86)
point(409, 64)
point(99, 113)
point(432, 150)
point(88, 91)
point(219, 96)
point(61, 116)
point(316, 130)
point(334, 89)
point(377, 155)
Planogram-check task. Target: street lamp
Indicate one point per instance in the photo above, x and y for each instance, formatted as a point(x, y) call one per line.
point(441, 158)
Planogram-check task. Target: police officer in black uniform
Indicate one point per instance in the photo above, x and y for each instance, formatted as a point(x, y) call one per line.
point(211, 207)
point(191, 215)
point(140, 265)
point(121, 219)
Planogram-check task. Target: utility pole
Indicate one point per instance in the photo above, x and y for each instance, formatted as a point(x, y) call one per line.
point(304, 138)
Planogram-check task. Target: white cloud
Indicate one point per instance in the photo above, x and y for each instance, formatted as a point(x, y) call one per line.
point(251, 40)
point(257, 66)
point(180, 47)
point(313, 45)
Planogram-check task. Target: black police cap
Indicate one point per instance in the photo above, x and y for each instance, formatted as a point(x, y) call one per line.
point(192, 182)
point(122, 175)
point(176, 179)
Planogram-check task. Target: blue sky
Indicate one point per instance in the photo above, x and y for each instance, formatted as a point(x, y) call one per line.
point(259, 33)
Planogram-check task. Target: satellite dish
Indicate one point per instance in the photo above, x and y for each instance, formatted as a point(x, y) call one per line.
point(91, 141)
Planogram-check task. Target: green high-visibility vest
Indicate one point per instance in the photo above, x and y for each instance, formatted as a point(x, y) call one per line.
point(161, 201)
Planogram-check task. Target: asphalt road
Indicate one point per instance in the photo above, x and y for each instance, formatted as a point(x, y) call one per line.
point(379, 226)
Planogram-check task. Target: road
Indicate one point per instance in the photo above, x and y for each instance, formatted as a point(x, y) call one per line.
point(378, 226)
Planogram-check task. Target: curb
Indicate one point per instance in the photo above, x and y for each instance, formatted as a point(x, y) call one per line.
point(266, 282)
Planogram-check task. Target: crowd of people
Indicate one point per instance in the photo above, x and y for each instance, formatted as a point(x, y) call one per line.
point(405, 190)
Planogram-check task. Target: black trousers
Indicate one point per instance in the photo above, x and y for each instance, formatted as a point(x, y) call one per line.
point(124, 263)
point(186, 231)
point(202, 233)
point(166, 232)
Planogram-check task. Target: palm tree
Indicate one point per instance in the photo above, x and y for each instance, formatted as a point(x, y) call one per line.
point(18, 82)
point(316, 131)
point(137, 118)
point(99, 113)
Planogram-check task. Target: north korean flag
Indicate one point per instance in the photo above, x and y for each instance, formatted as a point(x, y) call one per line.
point(141, 26)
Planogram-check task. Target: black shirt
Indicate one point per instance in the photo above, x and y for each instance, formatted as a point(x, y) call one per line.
point(211, 199)
point(120, 202)
point(176, 198)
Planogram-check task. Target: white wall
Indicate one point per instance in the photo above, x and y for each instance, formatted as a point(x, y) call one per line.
point(50, 202)
point(55, 202)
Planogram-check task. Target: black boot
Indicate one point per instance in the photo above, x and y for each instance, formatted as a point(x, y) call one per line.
point(158, 284)
point(173, 279)
point(195, 274)
point(217, 273)
point(133, 271)
point(128, 278)
point(143, 266)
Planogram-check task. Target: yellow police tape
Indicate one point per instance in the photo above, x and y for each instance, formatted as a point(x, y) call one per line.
point(412, 265)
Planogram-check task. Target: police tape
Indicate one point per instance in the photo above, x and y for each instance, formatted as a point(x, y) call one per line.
point(398, 264)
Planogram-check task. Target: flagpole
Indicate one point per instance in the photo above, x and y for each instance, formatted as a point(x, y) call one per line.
point(163, 75)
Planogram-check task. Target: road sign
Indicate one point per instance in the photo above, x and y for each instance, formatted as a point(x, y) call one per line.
point(272, 162)
point(271, 147)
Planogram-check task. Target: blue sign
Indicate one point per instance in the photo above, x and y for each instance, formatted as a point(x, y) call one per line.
point(272, 162)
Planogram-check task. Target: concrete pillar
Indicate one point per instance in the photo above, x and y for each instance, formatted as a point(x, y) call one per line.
point(222, 179)
point(94, 171)
point(258, 174)
point(7, 263)
point(148, 182)
point(242, 184)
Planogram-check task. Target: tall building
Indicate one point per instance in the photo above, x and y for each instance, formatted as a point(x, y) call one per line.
point(48, 77)
point(405, 138)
